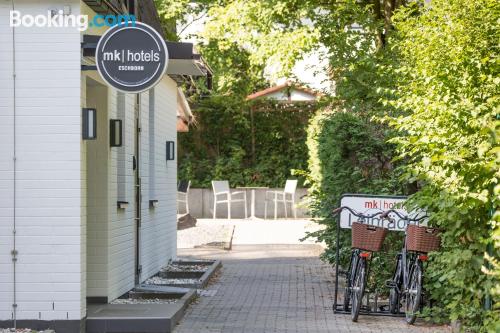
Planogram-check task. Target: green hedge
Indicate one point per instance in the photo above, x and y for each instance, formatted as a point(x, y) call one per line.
point(219, 145)
point(448, 133)
point(348, 154)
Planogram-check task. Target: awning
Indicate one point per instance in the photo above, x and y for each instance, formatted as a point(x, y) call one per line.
point(183, 58)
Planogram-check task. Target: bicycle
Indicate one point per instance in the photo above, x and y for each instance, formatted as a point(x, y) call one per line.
point(365, 240)
point(407, 281)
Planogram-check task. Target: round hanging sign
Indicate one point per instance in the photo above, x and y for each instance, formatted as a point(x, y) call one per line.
point(131, 58)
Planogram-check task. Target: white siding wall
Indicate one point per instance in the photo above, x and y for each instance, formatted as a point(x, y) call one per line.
point(48, 167)
point(280, 95)
point(6, 164)
point(117, 262)
point(83, 195)
point(87, 289)
point(53, 236)
point(159, 226)
point(97, 156)
point(299, 95)
point(121, 221)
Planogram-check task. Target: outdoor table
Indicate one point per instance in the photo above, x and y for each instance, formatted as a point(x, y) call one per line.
point(252, 207)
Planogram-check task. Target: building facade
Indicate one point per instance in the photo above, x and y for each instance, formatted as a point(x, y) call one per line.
point(80, 220)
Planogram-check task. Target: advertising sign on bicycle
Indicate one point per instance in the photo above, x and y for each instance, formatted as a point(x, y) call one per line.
point(369, 204)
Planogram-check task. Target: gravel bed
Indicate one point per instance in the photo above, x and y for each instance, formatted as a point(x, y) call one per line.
point(23, 330)
point(203, 234)
point(185, 268)
point(156, 280)
point(143, 301)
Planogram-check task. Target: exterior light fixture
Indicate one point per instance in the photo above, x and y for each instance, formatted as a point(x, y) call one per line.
point(115, 133)
point(89, 124)
point(122, 204)
point(153, 203)
point(170, 151)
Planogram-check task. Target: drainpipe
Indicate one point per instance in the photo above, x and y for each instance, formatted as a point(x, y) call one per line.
point(14, 249)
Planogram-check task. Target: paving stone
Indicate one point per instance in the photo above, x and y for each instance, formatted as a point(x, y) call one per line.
point(23, 330)
point(279, 289)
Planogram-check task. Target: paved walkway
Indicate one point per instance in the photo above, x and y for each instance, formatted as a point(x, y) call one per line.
point(275, 288)
point(246, 232)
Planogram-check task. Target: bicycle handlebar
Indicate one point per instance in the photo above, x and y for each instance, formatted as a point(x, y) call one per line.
point(385, 215)
point(355, 213)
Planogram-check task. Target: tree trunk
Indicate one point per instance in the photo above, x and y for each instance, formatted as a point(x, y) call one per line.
point(378, 16)
point(252, 126)
point(389, 6)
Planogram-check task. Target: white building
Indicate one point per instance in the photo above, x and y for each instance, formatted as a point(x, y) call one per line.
point(61, 194)
point(288, 93)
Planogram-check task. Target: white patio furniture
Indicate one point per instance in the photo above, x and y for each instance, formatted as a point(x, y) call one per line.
point(287, 196)
point(252, 200)
point(183, 194)
point(223, 195)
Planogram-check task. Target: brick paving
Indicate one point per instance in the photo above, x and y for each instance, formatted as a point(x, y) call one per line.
point(279, 289)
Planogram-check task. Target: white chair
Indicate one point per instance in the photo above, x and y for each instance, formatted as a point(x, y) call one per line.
point(222, 190)
point(183, 194)
point(287, 196)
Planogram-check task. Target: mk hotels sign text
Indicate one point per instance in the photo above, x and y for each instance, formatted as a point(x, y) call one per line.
point(132, 58)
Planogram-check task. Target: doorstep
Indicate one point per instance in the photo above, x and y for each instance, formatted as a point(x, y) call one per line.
point(146, 318)
point(199, 279)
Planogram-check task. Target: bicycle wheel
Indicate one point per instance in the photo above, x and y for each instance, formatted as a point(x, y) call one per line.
point(393, 293)
point(348, 281)
point(358, 288)
point(414, 293)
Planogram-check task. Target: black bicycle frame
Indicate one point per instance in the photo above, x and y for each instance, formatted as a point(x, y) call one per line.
point(356, 252)
point(351, 272)
point(408, 260)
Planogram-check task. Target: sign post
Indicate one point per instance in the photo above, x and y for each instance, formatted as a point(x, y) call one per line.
point(131, 58)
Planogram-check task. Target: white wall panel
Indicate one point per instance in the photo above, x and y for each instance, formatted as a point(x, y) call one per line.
point(48, 168)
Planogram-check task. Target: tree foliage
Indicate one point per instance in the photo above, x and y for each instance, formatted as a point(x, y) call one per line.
point(448, 94)
point(177, 15)
point(272, 31)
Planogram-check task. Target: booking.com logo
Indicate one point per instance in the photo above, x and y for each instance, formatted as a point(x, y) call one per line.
point(57, 19)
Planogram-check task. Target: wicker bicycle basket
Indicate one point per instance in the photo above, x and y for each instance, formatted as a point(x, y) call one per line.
point(367, 237)
point(422, 239)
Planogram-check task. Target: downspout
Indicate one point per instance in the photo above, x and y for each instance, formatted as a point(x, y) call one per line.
point(14, 249)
